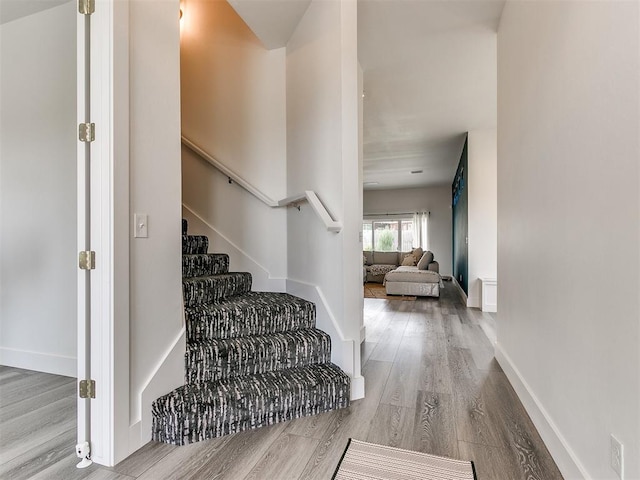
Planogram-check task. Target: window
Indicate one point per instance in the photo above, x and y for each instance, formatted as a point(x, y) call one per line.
point(385, 236)
point(367, 236)
point(388, 235)
point(407, 235)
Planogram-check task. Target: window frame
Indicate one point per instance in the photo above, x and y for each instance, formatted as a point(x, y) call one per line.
point(372, 220)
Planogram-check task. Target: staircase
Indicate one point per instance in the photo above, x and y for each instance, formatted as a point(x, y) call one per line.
point(252, 359)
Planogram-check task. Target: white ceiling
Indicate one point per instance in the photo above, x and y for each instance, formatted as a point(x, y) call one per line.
point(273, 21)
point(429, 77)
point(14, 9)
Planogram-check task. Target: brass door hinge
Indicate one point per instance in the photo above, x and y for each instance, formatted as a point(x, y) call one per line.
point(87, 132)
point(87, 260)
point(86, 7)
point(87, 389)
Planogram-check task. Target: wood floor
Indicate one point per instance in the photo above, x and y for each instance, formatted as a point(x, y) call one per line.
point(432, 385)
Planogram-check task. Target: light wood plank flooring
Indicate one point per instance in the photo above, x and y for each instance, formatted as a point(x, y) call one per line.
point(432, 385)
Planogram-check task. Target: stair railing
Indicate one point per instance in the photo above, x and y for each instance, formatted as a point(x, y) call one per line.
point(308, 196)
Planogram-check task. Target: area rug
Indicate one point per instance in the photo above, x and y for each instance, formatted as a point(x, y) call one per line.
point(377, 290)
point(367, 461)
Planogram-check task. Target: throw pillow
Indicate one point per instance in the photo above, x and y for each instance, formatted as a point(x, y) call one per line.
point(427, 258)
point(409, 261)
point(417, 253)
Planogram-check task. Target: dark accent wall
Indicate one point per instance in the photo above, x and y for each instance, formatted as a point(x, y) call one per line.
point(460, 206)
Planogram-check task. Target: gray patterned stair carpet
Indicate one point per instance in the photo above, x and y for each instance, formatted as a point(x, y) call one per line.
point(252, 358)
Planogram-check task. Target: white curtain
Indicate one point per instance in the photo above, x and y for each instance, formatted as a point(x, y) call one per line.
point(420, 229)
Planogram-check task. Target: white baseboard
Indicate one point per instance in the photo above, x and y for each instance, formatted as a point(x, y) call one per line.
point(241, 260)
point(558, 447)
point(39, 362)
point(474, 301)
point(343, 349)
point(357, 387)
point(166, 376)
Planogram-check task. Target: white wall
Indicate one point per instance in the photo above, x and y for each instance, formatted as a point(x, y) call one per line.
point(234, 107)
point(322, 155)
point(436, 200)
point(568, 225)
point(483, 213)
point(38, 254)
point(155, 262)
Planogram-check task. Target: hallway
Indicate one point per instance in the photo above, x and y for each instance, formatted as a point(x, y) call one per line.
point(432, 385)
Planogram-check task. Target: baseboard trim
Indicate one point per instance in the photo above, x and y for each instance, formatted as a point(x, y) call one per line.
point(460, 290)
point(474, 302)
point(167, 375)
point(357, 387)
point(262, 278)
point(39, 362)
point(343, 349)
point(558, 447)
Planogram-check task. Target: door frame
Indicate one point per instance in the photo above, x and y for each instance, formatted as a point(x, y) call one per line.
point(105, 423)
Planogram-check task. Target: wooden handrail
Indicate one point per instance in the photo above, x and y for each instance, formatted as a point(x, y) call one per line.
point(308, 196)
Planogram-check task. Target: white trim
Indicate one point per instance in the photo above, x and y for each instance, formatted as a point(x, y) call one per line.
point(102, 228)
point(38, 361)
point(321, 299)
point(363, 333)
point(563, 455)
point(357, 387)
point(489, 289)
point(109, 343)
point(167, 376)
point(176, 343)
point(80, 195)
point(343, 350)
point(460, 290)
point(276, 284)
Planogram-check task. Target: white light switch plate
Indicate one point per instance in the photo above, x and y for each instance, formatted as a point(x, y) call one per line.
point(140, 227)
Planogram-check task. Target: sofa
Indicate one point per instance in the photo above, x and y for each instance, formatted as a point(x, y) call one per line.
point(413, 281)
point(418, 280)
point(378, 264)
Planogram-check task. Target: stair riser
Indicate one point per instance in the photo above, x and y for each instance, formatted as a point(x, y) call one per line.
point(192, 244)
point(198, 291)
point(196, 428)
point(204, 324)
point(247, 356)
point(204, 265)
point(231, 411)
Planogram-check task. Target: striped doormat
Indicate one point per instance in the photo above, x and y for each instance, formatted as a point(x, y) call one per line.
point(367, 461)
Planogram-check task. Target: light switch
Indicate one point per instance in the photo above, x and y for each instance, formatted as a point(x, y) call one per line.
point(140, 227)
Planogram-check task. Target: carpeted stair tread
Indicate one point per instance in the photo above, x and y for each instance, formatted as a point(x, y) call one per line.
point(195, 244)
point(215, 288)
point(254, 313)
point(204, 264)
point(206, 410)
point(215, 360)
